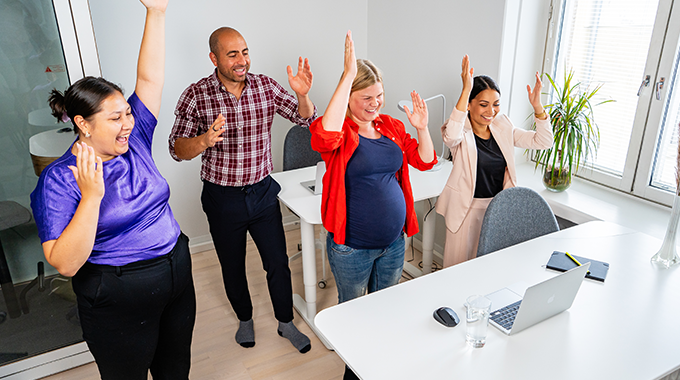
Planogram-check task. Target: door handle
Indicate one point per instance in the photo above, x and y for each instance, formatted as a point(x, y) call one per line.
point(645, 83)
point(659, 87)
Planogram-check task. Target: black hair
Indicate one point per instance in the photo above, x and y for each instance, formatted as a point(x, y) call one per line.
point(83, 98)
point(481, 83)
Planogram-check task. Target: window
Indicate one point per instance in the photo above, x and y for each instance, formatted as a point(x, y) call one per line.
point(631, 48)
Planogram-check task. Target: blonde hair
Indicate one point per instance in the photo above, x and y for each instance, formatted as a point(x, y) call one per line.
point(367, 75)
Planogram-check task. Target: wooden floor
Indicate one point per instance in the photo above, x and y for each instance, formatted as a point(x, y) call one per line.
point(215, 353)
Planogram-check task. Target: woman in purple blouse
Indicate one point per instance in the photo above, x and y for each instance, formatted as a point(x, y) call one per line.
point(103, 217)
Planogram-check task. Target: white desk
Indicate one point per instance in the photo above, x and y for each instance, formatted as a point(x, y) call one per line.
point(391, 334)
point(307, 206)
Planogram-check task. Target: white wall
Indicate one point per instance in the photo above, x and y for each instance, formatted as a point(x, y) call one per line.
point(277, 32)
point(417, 46)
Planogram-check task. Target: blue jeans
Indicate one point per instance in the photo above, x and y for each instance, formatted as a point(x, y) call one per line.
point(359, 270)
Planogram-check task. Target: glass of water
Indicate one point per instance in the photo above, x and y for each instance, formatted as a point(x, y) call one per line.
point(477, 320)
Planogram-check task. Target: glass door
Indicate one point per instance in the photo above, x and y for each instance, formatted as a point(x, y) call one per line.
point(39, 51)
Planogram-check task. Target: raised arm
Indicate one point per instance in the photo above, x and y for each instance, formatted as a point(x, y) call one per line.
point(73, 247)
point(151, 63)
point(466, 75)
point(418, 120)
point(301, 83)
point(452, 131)
point(334, 117)
point(535, 98)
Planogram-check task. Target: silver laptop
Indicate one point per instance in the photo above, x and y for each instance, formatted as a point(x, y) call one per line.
point(316, 185)
point(512, 313)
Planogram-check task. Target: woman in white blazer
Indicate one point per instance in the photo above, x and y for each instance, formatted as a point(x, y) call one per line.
point(482, 147)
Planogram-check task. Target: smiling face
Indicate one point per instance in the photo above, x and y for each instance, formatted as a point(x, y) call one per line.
point(484, 108)
point(365, 104)
point(109, 128)
point(231, 58)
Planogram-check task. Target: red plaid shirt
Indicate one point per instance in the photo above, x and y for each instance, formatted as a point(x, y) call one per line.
point(244, 156)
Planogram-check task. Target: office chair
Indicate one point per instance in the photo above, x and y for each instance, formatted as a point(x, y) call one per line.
point(298, 153)
point(515, 215)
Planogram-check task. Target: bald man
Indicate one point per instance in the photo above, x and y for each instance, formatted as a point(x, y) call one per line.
point(227, 118)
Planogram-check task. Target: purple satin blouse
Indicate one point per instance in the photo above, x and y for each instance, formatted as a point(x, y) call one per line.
point(135, 220)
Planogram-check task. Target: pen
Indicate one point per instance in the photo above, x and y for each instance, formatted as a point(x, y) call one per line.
point(573, 259)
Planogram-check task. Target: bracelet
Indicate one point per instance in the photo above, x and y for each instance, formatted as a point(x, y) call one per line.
point(540, 115)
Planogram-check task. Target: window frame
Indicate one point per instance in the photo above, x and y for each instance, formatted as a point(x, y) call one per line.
point(660, 62)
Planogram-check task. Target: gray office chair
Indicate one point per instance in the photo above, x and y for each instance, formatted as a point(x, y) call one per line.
point(297, 149)
point(298, 153)
point(515, 215)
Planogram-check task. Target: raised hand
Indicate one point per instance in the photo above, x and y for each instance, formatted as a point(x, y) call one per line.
point(301, 83)
point(350, 57)
point(535, 95)
point(214, 133)
point(88, 172)
point(467, 73)
point(419, 116)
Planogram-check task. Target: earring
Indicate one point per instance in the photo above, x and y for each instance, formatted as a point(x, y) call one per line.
point(87, 134)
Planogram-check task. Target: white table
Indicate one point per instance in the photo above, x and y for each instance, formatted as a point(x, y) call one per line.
point(425, 185)
point(625, 328)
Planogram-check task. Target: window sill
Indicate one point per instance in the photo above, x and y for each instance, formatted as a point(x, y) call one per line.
point(586, 201)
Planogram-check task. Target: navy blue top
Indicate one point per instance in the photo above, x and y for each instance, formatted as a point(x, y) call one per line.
point(376, 209)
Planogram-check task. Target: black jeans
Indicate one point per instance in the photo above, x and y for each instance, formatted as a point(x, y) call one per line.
point(140, 316)
point(234, 211)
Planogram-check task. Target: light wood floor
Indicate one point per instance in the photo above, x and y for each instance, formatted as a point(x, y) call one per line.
point(215, 353)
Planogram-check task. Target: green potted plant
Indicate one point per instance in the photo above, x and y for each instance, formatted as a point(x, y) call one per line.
point(576, 136)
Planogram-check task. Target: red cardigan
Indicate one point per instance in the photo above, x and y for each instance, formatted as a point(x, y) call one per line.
point(336, 149)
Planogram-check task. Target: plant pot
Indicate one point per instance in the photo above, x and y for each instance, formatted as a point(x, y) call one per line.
point(557, 180)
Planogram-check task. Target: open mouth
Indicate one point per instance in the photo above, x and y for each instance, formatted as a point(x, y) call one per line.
point(122, 139)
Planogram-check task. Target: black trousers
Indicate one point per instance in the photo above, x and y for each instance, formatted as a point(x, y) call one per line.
point(140, 316)
point(234, 211)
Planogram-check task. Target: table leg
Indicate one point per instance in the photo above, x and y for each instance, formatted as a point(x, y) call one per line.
point(307, 306)
point(428, 240)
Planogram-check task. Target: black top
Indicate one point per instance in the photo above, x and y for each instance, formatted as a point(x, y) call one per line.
point(490, 168)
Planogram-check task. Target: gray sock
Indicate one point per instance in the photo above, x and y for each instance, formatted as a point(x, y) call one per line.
point(298, 339)
point(245, 336)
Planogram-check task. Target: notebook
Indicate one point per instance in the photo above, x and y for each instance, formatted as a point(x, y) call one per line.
point(560, 262)
point(316, 185)
point(540, 302)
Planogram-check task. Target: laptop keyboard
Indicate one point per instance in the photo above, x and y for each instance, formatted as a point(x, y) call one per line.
point(506, 316)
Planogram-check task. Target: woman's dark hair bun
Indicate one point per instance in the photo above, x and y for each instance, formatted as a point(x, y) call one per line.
point(84, 98)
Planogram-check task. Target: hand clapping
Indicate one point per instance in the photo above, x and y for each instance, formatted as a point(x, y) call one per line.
point(419, 116)
point(350, 57)
point(88, 172)
point(301, 83)
point(535, 95)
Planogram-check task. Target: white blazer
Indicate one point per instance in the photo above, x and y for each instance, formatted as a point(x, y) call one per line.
point(456, 198)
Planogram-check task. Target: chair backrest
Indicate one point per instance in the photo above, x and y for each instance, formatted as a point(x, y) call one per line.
point(515, 215)
point(297, 149)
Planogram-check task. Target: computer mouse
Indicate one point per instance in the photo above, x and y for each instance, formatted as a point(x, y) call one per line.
point(446, 317)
